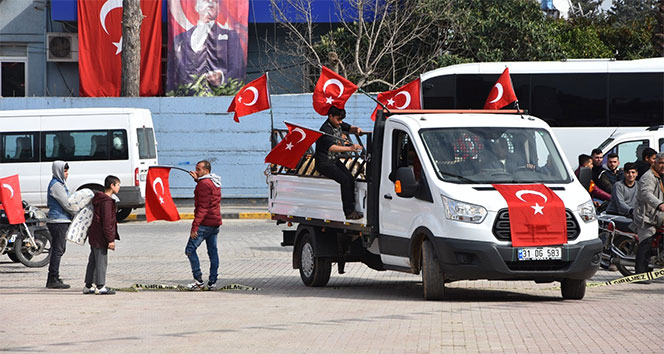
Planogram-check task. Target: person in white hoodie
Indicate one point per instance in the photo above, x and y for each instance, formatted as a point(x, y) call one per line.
point(60, 214)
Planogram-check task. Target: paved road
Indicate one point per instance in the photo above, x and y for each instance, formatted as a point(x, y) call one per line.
point(362, 311)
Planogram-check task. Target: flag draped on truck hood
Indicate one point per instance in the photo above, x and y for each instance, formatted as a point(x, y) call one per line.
point(536, 214)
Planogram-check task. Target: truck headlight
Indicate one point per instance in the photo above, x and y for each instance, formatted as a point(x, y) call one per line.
point(466, 212)
point(587, 211)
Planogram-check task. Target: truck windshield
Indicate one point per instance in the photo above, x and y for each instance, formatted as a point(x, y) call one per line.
point(494, 155)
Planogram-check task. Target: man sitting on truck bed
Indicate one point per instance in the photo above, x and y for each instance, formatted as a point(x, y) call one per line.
point(328, 150)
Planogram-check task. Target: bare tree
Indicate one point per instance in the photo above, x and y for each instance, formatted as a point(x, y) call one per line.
point(132, 17)
point(376, 43)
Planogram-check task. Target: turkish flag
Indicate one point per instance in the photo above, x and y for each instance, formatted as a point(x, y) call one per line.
point(502, 92)
point(405, 97)
point(100, 48)
point(158, 202)
point(331, 90)
point(289, 151)
point(537, 214)
point(10, 197)
point(252, 97)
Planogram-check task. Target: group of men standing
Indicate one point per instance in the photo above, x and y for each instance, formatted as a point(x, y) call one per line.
point(103, 231)
point(636, 191)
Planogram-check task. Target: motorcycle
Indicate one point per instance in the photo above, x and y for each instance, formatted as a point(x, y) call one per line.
point(620, 244)
point(28, 243)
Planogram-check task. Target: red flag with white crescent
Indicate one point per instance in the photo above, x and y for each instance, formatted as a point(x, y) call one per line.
point(405, 97)
point(10, 197)
point(536, 214)
point(289, 151)
point(331, 89)
point(159, 204)
point(100, 47)
point(252, 97)
point(502, 93)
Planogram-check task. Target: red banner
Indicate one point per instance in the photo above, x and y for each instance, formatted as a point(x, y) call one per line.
point(289, 151)
point(100, 48)
point(537, 215)
point(405, 97)
point(10, 197)
point(253, 97)
point(502, 92)
point(159, 204)
point(207, 45)
point(331, 89)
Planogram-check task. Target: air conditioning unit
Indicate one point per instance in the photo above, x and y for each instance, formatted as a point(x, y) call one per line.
point(61, 47)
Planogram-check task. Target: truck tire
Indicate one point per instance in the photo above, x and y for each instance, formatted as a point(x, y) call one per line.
point(433, 279)
point(122, 214)
point(573, 289)
point(314, 271)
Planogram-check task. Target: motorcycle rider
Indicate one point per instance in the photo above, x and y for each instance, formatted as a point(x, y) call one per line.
point(59, 217)
point(649, 211)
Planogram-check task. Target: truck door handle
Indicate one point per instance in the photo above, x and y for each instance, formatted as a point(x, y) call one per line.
point(387, 196)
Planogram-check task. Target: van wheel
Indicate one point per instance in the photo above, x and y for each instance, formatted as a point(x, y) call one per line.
point(123, 213)
point(314, 271)
point(573, 289)
point(433, 279)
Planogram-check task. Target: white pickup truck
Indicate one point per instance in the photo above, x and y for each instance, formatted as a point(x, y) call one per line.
point(425, 186)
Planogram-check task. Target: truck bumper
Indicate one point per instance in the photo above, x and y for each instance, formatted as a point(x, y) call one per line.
point(130, 197)
point(462, 260)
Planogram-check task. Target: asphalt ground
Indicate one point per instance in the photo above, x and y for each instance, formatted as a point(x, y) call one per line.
point(362, 311)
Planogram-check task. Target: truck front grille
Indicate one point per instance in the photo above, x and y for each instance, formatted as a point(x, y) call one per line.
point(501, 226)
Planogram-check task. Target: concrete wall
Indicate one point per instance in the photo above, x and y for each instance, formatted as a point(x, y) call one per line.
point(189, 129)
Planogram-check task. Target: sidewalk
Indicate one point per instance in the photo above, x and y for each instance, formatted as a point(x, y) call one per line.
point(230, 209)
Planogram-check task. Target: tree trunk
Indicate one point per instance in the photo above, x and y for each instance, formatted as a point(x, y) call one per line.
point(659, 31)
point(131, 48)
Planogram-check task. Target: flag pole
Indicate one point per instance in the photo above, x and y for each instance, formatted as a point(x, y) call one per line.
point(177, 168)
point(269, 99)
point(375, 100)
point(318, 131)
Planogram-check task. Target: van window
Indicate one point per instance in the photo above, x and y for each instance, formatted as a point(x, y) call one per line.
point(628, 151)
point(84, 145)
point(404, 154)
point(18, 147)
point(146, 146)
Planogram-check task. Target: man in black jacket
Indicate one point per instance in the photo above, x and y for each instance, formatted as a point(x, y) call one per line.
point(328, 150)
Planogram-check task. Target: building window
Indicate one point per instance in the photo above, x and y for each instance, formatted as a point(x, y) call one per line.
point(13, 70)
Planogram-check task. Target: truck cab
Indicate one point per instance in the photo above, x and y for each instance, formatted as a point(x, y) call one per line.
point(431, 206)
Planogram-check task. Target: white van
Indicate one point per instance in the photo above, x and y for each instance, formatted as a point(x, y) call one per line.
point(629, 146)
point(96, 142)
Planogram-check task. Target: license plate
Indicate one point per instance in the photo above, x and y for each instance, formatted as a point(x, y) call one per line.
point(539, 253)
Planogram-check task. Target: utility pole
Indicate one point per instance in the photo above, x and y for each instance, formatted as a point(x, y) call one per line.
point(132, 17)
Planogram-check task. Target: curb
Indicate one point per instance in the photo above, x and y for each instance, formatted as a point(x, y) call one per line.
point(229, 216)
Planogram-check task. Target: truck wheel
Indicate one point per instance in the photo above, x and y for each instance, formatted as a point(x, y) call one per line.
point(433, 279)
point(573, 289)
point(122, 213)
point(314, 271)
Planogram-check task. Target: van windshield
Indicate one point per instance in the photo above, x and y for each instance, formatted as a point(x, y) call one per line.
point(494, 155)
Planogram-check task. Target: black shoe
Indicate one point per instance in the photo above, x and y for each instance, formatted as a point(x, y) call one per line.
point(355, 215)
point(56, 283)
point(645, 282)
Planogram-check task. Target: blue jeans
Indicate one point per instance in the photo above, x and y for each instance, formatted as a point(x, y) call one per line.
point(209, 235)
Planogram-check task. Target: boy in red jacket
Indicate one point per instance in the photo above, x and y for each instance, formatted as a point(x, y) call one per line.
point(205, 227)
point(102, 234)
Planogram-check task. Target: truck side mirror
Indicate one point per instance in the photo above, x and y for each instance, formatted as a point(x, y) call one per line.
point(405, 186)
